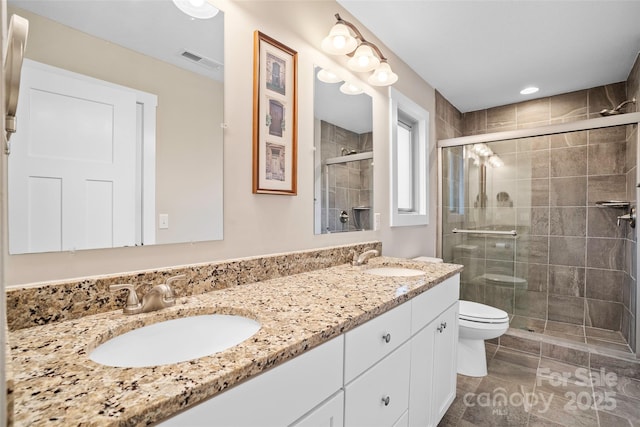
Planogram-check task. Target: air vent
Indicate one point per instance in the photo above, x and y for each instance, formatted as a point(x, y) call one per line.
point(201, 60)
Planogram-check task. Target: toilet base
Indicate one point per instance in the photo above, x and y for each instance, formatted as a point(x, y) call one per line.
point(472, 358)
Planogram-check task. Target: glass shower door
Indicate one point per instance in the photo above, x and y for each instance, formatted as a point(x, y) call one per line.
point(481, 225)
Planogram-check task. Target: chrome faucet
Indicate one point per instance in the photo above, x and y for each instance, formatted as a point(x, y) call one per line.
point(159, 297)
point(364, 257)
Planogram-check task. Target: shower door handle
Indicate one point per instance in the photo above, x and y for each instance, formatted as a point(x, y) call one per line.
point(502, 233)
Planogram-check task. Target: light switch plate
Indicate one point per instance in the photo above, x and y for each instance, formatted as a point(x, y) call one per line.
point(163, 221)
point(376, 221)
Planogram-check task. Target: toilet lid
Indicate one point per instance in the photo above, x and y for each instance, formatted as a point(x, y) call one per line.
point(481, 313)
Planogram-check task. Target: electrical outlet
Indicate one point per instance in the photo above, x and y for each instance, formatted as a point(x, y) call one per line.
point(376, 221)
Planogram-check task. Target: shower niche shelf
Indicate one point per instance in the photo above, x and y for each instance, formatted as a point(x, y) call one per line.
point(616, 204)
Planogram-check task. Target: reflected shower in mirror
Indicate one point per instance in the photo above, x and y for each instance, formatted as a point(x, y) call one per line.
point(119, 139)
point(343, 157)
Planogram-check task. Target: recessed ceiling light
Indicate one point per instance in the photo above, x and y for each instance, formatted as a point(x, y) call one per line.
point(529, 90)
point(200, 9)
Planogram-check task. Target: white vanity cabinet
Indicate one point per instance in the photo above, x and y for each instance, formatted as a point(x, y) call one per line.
point(434, 353)
point(396, 370)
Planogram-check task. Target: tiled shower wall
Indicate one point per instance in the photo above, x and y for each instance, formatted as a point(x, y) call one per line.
point(350, 183)
point(579, 265)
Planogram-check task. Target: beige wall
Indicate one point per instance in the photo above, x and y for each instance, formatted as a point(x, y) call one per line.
point(262, 224)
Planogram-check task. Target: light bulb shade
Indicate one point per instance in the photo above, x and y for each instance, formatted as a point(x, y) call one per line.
point(350, 89)
point(495, 161)
point(383, 76)
point(200, 9)
point(328, 76)
point(339, 41)
point(363, 59)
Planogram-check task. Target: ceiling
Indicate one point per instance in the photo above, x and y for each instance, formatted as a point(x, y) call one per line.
point(480, 54)
point(155, 28)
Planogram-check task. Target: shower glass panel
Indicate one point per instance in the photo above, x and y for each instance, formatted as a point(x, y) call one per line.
point(479, 221)
point(523, 217)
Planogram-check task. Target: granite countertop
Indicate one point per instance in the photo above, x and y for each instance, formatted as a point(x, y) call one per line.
point(57, 384)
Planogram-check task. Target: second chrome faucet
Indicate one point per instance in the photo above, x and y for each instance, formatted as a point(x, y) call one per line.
point(159, 297)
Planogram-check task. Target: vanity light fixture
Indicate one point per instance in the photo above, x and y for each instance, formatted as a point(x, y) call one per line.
point(367, 56)
point(16, 45)
point(350, 89)
point(200, 9)
point(363, 59)
point(328, 76)
point(529, 90)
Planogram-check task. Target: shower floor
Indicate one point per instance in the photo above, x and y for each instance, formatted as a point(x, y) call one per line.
point(600, 339)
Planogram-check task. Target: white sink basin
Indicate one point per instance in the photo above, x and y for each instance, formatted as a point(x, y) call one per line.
point(394, 272)
point(174, 341)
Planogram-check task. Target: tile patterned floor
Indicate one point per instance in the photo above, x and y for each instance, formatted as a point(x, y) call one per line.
point(582, 334)
point(523, 389)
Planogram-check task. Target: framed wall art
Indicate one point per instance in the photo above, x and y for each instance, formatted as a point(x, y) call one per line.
point(275, 117)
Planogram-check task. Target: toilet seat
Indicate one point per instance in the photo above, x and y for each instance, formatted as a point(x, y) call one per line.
point(481, 313)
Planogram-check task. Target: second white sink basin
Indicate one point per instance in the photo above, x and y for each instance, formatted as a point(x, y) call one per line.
point(174, 341)
point(394, 272)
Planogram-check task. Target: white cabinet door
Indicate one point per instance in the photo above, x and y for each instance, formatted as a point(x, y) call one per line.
point(433, 369)
point(381, 395)
point(329, 414)
point(445, 362)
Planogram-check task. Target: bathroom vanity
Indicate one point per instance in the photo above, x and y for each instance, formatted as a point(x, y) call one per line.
point(335, 344)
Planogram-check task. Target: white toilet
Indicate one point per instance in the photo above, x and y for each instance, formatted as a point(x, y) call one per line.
point(477, 322)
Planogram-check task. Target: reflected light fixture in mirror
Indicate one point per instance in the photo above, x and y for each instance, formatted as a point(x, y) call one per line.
point(200, 9)
point(367, 56)
point(328, 76)
point(350, 89)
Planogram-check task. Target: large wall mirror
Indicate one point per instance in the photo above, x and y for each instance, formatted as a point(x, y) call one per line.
point(120, 135)
point(343, 156)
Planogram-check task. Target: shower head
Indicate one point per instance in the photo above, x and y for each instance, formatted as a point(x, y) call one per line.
point(607, 112)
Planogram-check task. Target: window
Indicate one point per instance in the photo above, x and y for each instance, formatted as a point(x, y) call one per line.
point(409, 162)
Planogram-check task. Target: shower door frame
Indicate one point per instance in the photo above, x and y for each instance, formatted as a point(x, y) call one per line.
point(599, 122)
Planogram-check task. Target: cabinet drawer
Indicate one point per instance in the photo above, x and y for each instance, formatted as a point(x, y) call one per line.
point(428, 305)
point(381, 395)
point(370, 342)
point(277, 397)
point(329, 414)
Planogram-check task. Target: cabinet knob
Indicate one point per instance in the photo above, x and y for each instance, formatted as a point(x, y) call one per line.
point(386, 338)
point(444, 325)
point(386, 400)
point(440, 328)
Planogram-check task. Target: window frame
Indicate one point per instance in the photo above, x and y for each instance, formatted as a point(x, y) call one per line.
point(407, 110)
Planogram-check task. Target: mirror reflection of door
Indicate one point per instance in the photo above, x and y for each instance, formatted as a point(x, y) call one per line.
point(75, 168)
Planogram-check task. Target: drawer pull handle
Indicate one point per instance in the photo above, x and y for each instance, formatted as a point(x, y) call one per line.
point(386, 400)
point(386, 338)
point(440, 328)
point(444, 325)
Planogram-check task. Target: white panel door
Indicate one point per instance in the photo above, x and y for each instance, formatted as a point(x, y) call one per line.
point(72, 168)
